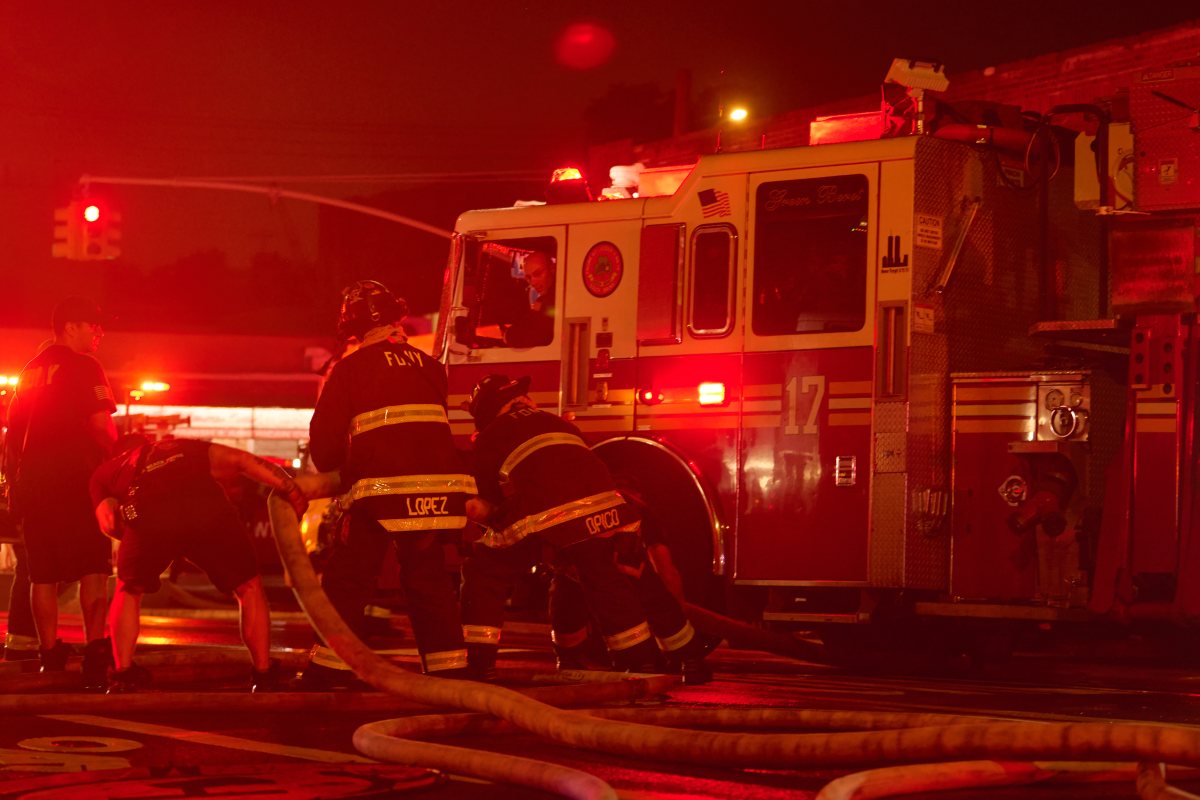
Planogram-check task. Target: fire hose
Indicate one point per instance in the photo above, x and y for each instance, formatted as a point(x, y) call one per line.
point(889, 739)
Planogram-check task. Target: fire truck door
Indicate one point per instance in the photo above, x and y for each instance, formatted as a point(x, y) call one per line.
point(808, 372)
point(600, 289)
point(506, 314)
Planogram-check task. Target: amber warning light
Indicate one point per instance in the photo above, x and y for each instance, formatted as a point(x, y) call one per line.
point(650, 397)
point(711, 394)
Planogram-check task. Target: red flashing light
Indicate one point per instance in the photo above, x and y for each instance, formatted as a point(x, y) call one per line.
point(566, 174)
point(91, 213)
point(711, 393)
point(650, 397)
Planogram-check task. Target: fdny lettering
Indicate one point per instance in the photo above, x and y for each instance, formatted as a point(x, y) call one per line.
point(405, 358)
point(604, 521)
point(426, 506)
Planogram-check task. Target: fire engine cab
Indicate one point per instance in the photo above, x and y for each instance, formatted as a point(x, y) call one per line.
point(926, 377)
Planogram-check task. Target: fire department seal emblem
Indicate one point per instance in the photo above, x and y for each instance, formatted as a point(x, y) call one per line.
point(602, 268)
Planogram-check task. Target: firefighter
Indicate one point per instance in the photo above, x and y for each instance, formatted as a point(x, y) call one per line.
point(381, 421)
point(60, 429)
point(535, 325)
point(683, 647)
point(169, 500)
point(540, 483)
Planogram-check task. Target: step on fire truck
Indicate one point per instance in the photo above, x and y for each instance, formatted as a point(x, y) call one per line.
point(941, 379)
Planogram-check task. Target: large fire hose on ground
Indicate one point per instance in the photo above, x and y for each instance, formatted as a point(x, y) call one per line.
point(911, 739)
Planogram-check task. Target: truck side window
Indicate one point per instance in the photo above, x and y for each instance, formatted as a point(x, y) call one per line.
point(713, 261)
point(509, 292)
point(810, 257)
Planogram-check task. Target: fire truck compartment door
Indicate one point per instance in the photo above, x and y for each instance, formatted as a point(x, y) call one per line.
point(808, 373)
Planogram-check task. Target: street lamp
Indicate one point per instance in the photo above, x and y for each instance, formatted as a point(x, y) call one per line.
point(734, 114)
point(137, 393)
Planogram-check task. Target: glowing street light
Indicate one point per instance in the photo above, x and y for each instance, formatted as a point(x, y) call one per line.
point(738, 114)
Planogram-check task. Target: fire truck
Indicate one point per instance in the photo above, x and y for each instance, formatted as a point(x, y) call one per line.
point(943, 380)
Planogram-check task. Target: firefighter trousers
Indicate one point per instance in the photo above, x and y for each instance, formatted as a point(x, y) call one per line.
point(488, 577)
point(571, 622)
point(351, 576)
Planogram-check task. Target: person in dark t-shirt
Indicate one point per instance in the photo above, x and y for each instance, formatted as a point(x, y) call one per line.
point(60, 428)
point(167, 500)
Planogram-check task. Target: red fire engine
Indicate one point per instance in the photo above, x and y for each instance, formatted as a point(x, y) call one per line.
point(921, 378)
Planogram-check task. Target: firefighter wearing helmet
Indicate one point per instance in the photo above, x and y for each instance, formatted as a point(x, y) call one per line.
point(540, 484)
point(381, 421)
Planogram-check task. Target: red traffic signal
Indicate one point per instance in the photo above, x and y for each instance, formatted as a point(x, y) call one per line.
point(86, 231)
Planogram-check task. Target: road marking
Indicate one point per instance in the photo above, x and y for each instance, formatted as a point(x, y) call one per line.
point(79, 744)
point(214, 739)
point(31, 761)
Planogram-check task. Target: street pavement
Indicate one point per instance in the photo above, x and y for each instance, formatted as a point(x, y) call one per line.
point(208, 736)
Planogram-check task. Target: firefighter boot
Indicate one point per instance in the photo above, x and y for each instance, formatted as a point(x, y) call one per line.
point(644, 657)
point(688, 661)
point(55, 658)
point(97, 660)
point(570, 657)
point(481, 662)
point(131, 679)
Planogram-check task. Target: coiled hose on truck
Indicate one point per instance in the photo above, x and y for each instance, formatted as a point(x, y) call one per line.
point(886, 739)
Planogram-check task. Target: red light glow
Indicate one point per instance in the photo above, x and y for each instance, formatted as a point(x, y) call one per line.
point(584, 45)
point(566, 174)
point(711, 394)
point(91, 213)
point(650, 397)
point(155, 386)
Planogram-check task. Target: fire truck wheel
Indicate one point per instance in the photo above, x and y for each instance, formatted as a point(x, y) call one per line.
point(679, 513)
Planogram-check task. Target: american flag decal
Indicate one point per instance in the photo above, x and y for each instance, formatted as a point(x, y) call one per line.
point(102, 392)
point(714, 203)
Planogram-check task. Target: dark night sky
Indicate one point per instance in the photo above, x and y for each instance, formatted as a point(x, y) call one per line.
point(296, 87)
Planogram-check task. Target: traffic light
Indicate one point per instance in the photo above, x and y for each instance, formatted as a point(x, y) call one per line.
point(86, 231)
point(67, 231)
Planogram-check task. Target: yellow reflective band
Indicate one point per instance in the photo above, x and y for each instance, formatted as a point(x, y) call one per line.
point(550, 517)
point(627, 639)
point(481, 634)
point(15, 641)
point(447, 659)
point(530, 446)
point(572, 639)
point(677, 639)
point(394, 415)
point(378, 612)
point(423, 524)
point(324, 656)
point(412, 484)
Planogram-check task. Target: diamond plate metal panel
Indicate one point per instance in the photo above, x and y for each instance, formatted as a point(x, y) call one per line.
point(1162, 110)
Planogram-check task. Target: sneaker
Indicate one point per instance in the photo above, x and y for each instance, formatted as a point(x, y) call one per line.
point(55, 659)
point(268, 680)
point(131, 679)
point(317, 678)
point(97, 661)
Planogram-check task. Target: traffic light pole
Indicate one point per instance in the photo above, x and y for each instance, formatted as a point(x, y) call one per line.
point(270, 191)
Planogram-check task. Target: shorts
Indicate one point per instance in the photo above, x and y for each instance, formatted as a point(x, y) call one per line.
point(62, 539)
point(212, 538)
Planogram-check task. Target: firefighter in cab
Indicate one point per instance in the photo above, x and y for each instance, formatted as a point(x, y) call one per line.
point(381, 422)
point(539, 484)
